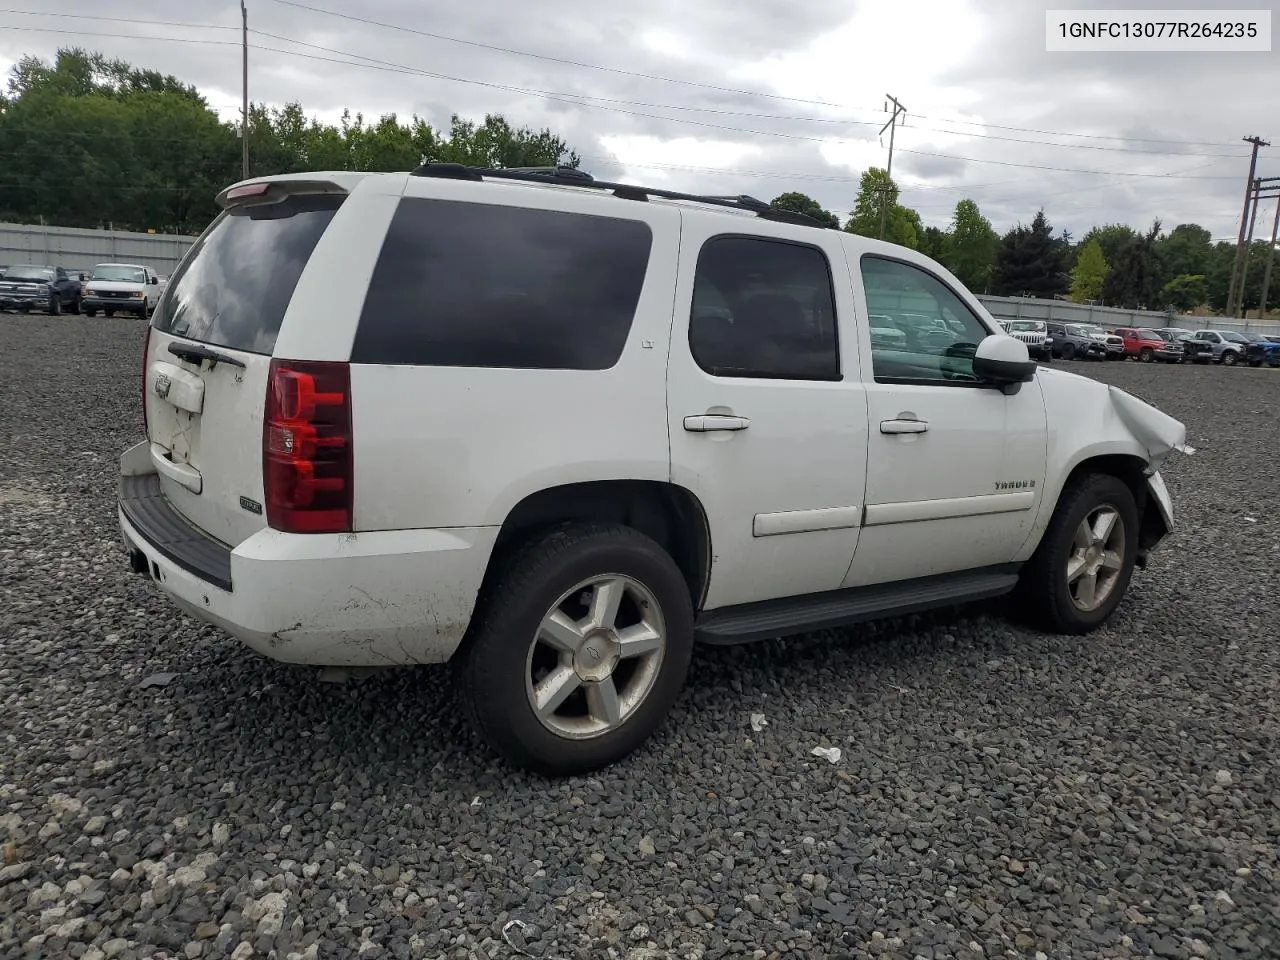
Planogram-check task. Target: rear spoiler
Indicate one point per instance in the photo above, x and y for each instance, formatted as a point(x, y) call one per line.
point(272, 190)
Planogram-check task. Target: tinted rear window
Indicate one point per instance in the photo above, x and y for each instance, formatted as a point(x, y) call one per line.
point(234, 289)
point(479, 285)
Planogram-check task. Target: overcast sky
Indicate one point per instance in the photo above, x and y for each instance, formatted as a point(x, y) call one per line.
point(759, 97)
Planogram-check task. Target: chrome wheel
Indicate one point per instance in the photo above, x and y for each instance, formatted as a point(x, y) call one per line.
point(596, 656)
point(1096, 558)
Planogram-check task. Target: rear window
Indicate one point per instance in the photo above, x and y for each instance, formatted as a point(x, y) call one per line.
point(481, 285)
point(235, 287)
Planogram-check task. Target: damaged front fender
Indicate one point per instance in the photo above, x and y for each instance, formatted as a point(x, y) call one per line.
point(1157, 432)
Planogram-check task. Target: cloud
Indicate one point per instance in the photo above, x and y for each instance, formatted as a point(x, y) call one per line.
point(719, 98)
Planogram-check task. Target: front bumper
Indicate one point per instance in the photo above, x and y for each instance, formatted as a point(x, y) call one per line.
point(382, 598)
point(123, 304)
point(16, 303)
point(1169, 355)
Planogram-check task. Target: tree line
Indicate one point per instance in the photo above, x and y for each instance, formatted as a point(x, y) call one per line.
point(1111, 265)
point(88, 141)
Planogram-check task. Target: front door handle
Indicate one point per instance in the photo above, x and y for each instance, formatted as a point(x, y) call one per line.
point(709, 422)
point(904, 426)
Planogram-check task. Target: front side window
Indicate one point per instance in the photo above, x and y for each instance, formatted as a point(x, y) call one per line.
point(763, 308)
point(920, 328)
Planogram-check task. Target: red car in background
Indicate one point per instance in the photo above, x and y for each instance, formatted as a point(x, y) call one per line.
point(1146, 345)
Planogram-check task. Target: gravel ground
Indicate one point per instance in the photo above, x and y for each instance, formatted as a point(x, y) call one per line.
point(1001, 792)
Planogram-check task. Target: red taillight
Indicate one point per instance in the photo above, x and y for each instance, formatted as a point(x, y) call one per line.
point(307, 460)
point(146, 351)
point(248, 190)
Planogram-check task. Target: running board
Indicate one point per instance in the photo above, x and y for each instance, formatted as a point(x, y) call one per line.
point(766, 619)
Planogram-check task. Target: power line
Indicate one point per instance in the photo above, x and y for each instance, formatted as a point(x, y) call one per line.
point(85, 16)
point(586, 100)
point(650, 76)
point(659, 77)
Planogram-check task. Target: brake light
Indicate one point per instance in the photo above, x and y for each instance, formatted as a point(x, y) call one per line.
point(248, 190)
point(146, 352)
point(307, 458)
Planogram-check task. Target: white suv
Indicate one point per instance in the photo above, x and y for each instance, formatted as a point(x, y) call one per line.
point(556, 430)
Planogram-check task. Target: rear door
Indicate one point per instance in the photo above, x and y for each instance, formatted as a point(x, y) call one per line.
point(767, 412)
point(209, 355)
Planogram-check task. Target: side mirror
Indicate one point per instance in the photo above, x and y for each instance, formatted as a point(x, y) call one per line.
point(154, 281)
point(1003, 360)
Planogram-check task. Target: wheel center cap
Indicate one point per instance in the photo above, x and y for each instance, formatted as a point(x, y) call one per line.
point(597, 657)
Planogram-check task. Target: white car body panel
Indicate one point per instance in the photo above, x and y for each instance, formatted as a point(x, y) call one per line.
point(811, 497)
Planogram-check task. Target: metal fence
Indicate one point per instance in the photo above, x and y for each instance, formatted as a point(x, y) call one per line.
point(78, 250)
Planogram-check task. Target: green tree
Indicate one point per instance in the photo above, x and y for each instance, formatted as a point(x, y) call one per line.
point(1029, 261)
point(972, 247)
point(89, 141)
point(876, 192)
point(1185, 251)
point(1089, 273)
point(934, 243)
point(1185, 292)
point(802, 203)
point(1112, 238)
point(1135, 280)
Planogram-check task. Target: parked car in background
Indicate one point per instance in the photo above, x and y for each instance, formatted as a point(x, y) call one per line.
point(1262, 349)
point(1113, 345)
point(1034, 333)
point(122, 288)
point(1071, 341)
point(1141, 343)
point(1228, 346)
point(1197, 351)
point(28, 287)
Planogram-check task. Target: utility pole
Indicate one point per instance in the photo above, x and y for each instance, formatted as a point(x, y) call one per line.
point(1271, 255)
point(245, 91)
point(1258, 196)
point(891, 126)
point(1241, 249)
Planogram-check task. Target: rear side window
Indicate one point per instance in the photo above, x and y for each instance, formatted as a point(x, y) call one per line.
point(235, 287)
point(481, 285)
point(763, 308)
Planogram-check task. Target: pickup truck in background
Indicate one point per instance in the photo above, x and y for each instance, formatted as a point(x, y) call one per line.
point(122, 288)
point(1148, 346)
point(27, 286)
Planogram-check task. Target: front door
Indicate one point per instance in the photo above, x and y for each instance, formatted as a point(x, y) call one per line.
point(955, 469)
point(766, 410)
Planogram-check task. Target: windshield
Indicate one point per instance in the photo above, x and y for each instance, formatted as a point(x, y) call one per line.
point(1077, 331)
point(1234, 337)
point(111, 271)
point(25, 272)
point(1024, 325)
point(1149, 335)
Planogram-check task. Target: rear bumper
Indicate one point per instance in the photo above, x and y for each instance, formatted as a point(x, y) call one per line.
point(367, 599)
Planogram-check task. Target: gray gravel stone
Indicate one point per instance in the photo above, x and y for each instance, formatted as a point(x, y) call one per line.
point(997, 787)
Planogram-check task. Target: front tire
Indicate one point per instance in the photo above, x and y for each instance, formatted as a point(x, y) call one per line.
point(580, 646)
point(1146, 354)
point(55, 306)
point(75, 306)
point(1080, 571)
point(1068, 351)
point(90, 313)
point(1229, 358)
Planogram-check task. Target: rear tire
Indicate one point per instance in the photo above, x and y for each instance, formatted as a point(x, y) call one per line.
point(521, 639)
point(1068, 351)
point(1053, 590)
point(1229, 358)
point(55, 306)
point(75, 306)
point(1146, 354)
point(90, 313)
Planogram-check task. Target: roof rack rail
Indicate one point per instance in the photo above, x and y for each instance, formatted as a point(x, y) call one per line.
point(573, 177)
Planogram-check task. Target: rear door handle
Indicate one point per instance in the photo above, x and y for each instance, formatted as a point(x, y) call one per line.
point(709, 422)
point(904, 426)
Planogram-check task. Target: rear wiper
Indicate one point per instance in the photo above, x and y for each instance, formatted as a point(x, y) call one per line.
point(195, 354)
